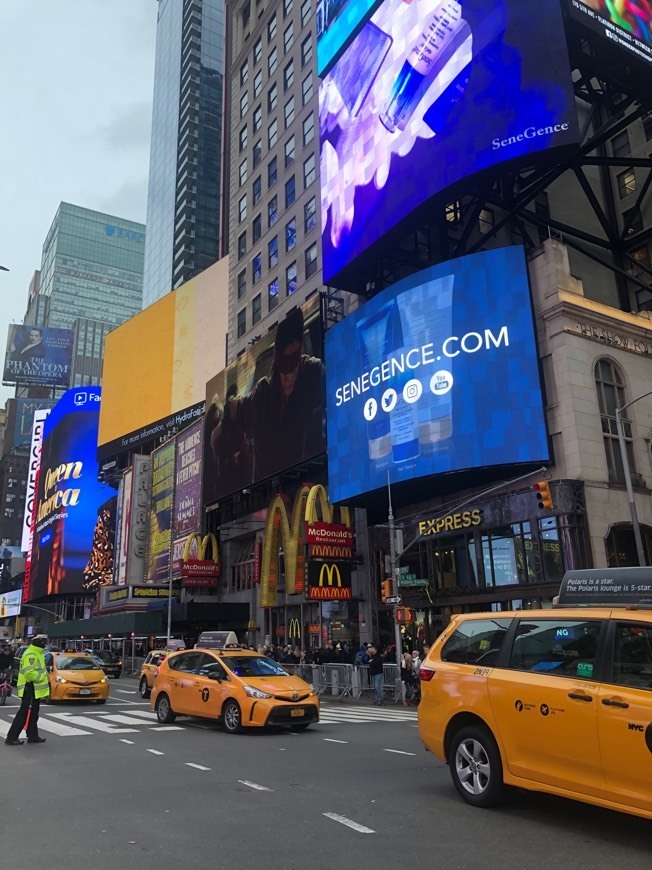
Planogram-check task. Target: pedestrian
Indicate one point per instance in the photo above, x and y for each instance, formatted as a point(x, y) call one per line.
point(6, 658)
point(416, 661)
point(408, 678)
point(376, 672)
point(32, 686)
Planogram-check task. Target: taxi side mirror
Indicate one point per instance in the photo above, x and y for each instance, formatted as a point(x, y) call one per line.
point(216, 677)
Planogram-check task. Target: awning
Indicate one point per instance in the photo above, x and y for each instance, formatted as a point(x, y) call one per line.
point(114, 623)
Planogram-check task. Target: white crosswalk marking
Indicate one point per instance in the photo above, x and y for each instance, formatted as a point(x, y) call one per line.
point(96, 724)
point(60, 728)
point(330, 715)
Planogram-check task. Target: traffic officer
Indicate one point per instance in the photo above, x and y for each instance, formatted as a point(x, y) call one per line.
point(32, 686)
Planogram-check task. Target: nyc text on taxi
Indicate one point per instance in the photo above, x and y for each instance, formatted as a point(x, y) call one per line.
point(557, 701)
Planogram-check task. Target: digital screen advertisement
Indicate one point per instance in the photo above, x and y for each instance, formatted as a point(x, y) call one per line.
point(160, 514)
point(337, 23)
point(435, 374)
point(38, 355)
point(67, 551)
point(187, 512)
point(428, 93)
point(10, 603)
point(20, 419)
point(622, 22)
point(264, 412)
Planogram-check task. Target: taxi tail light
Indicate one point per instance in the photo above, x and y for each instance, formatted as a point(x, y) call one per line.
point(426, 674)
point(156, 673)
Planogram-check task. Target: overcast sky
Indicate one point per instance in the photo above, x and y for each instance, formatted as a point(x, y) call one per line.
point(76, 82)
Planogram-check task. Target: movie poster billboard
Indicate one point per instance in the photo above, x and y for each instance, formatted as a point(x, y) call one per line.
point(38, 355)
point(160, 514)
point(186, 516)
point(265, 411)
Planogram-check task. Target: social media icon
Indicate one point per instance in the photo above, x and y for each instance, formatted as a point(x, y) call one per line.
point(388, 400)
point(412, 391)
point(370, 409)
point(441, 382)
point(80, 398)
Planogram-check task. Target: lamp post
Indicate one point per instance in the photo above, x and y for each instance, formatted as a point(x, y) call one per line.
point(628, 476)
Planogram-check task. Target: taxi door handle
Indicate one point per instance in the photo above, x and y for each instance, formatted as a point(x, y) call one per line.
point(579, 696)
point(611, 702)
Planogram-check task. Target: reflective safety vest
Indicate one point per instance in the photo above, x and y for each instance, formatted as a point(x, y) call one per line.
point(32, 670)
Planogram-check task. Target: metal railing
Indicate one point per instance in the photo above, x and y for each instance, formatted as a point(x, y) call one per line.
point(345, 681)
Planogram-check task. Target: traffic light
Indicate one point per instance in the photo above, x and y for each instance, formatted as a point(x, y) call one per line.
point(385, 589)
point(404, 615)
point(544, 498)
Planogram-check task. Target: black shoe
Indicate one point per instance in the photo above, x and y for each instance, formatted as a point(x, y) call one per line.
point(37, 740)
point(13, 742)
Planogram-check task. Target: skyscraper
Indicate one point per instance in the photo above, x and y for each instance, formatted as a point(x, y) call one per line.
point(184, 223)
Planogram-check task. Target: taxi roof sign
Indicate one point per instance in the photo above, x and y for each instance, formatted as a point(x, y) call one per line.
point(614, 587)
point(217, 640)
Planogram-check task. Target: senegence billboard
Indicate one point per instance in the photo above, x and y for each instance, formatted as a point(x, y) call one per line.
point(427, 94)
point(438, 373)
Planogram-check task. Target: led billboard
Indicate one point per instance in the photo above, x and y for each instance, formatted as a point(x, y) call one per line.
point(437, 373)
point(187, 511)
point(264, 412)
point(70, 500)
point(624, 23)
point(160, 514)
point(10, 603)
point(427, 94)
point(338, 21)
point(38, 355)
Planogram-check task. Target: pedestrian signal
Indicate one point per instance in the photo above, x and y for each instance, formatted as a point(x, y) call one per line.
point(385, 589)
point(404, 615)
point(544, 498)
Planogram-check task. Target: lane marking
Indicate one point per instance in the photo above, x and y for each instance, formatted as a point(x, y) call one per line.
point(4, 728)
point(121, 719)
point(45, 724)
point(124, 740)
point(96, 724)
point(144, 714)
point(125, 691)
point(255, 785)
point(197, 766)
point(399, 752)
point(361, 829)
point(332, 740)
point(155, 752)
point(166, 728)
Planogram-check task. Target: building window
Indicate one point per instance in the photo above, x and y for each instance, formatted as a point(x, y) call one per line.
point(647, 126)
point(271, 28)
point(242, 322)
point(305, 12)
point(272, 98)
point(243, 138)
point(306, 51)
point(308, 129)
point(289, 151)
point(242, 208)
point(242, 173)
point(272, 133)
point(258, 51)
point(258, 153)
point(288, 112)
point(257, 118)
point(242, 283)
point(620, 146)
point(309, 171)
point(244, 104)
point(632, 221)
point(287, 8)
point(272, 172)
point(246, 15)
point(621, 546)
point(257, 269)
point(453, 212)
point(486, 221)
point(290, 234)
point(257, 228)
point(291, 279)
point(256, 309)
point(258, 83)
point(272, 62)
point(290, 192)
point(306, 89)
point(242, 245)
point(610, 385)
point(256, 189)
point(244, 73)
point(288, 76)
point(272, 252)
point(626, 183)
point(311, 260)
point(272, 211)
point(272, 294)
point(288, 37)
point(310, 215)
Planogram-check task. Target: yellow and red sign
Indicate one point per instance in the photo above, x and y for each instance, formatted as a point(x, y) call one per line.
point(329, 581)
point(200, 571)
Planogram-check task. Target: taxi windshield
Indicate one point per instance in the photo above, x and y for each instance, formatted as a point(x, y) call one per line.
point(253, 666)
point(76, 663)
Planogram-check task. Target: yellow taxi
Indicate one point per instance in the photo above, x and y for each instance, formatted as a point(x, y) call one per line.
point(76, 677)
point(148, 670)
point(556, 701)
point(238, 687)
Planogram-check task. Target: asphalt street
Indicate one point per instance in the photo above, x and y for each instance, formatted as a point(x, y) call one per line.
point(112, 789)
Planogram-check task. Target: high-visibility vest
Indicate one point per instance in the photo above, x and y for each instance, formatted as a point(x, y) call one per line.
point(32, 670)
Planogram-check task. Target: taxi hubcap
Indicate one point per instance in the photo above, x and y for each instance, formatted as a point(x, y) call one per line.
point(163, 708)
point(232, 716)
point(472, 766)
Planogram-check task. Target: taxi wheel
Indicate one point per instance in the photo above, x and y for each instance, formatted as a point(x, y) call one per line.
point(101, 700)
point(232, 717)
point(476, 767)
point(143, 688)
point(303, 727)
point(164, 711)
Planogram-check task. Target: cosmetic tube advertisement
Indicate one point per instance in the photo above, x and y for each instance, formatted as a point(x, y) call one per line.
point(446, 377)
point(428, 93)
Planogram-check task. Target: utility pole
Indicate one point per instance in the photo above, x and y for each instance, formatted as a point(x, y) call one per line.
point(393, 561)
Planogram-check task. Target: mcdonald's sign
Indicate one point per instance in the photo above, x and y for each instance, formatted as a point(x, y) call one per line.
point(290, 534)
point(329, 581)
point(294, 629)
point(200, 571)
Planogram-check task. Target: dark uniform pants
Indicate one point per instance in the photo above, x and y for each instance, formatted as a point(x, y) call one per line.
point(30, 705)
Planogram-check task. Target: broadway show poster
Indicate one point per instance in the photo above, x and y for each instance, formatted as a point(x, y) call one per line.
point(160, 514)
point(38, 355)
point(187, 490)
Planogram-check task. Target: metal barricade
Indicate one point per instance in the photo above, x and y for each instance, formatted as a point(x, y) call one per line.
point(391, 682)
point(345, 681)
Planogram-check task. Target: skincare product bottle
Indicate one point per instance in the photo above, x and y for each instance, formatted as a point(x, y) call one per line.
point(374, 343)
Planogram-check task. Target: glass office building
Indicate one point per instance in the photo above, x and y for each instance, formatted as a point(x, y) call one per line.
point(184, 225)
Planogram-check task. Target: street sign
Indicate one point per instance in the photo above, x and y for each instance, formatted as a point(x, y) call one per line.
point(404, 569)
point(411, 580)
point(393, 599)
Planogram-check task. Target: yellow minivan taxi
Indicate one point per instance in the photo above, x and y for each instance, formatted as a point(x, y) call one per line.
point(556, 701)
point(148, 670)
point(76, 677)
point(241, 688)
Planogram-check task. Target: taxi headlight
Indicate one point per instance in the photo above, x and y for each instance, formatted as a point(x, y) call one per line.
point(255, 693)
point(59, 679)
point(104, 680)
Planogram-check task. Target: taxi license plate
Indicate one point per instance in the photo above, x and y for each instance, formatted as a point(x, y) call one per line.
point(84, 691)
point(296, 713)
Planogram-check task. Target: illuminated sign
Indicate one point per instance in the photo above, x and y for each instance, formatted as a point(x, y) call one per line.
point(38, 355)
point(10, 603)
point(445, 378)
point(429, 93)
point(450, 522)
point(187, 508)
point(625, 24)
point(200, 571)
point(337, 23)
point(329, 581)
point(160, 514)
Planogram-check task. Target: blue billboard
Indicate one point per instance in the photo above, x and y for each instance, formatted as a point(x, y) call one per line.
point(427, 94)
point(338, 21)
point(438, 373)
point(38, 355)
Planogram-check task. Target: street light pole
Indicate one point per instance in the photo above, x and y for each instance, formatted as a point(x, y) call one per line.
point(393, 561)
point(628, 477)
